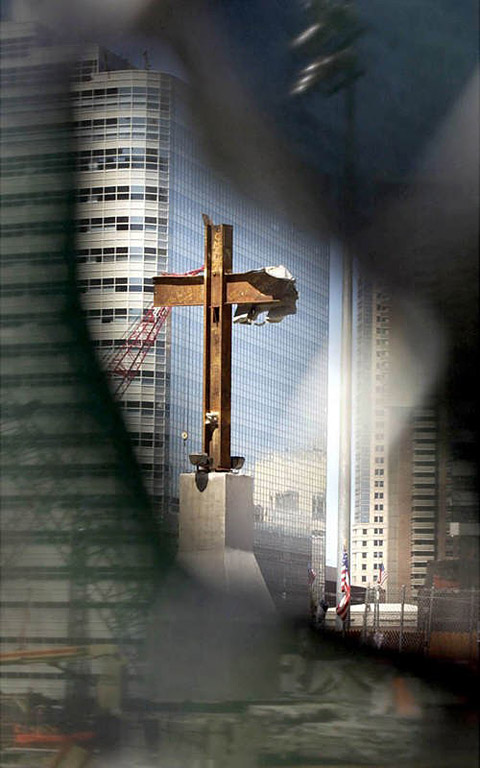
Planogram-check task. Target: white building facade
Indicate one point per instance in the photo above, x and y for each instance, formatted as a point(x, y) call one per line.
point(370, 525)
point(122, 132)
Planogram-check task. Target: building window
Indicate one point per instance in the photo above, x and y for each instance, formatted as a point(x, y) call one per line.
point(287, 502)
point(121, 223)
point(117, 284)
point(105, 194)
point(122, 158)
point(119, 253)
point(318, 506)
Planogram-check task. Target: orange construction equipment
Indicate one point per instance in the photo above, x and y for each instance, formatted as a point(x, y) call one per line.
point(52, 655)
point(108, 690)
point(35, 737)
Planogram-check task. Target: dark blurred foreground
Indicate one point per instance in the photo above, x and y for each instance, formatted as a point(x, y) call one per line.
point(332, 703)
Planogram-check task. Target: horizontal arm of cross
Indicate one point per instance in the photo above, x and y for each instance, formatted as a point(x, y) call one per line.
point(173, 291)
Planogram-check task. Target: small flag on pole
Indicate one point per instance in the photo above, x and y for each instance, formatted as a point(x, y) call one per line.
point(342, 607)
point(382, 576)
point(311, 575)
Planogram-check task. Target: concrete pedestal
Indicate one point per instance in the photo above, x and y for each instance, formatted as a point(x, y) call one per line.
point(218, 516)
point(216, 538)
point(216, 630)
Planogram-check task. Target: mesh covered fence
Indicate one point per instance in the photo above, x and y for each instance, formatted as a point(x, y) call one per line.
point(435, 622)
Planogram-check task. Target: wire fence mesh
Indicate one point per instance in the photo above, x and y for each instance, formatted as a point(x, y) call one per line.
point(435, 622)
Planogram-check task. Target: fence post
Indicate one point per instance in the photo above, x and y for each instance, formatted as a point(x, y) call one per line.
point(428, 623)
point(402, 615)
point(365, 615)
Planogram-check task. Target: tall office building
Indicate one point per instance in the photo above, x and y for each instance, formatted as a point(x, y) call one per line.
point(371, 519)
point(400, 517)
point(415, 356)
point(142, 186)
point(122, 126)
point(80, 551)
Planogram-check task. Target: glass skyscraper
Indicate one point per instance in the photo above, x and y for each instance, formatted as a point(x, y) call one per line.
point(142, 186)
point(279, 372)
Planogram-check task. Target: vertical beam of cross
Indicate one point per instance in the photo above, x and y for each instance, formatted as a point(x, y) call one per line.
point(217, 290)
point(217, 358)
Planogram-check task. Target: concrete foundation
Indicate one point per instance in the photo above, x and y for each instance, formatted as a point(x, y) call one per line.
point(216, 632)
point(220, 515)
point(216, 537)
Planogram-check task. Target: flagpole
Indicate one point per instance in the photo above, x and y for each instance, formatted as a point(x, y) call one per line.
point(311, 576)
point(345, 469)
point(343, 604)
point(345, 447)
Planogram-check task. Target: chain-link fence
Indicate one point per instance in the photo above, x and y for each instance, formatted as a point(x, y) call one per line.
point(435, 622)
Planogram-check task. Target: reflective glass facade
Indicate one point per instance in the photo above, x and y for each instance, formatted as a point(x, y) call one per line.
point(142, 186)
point(279, 372)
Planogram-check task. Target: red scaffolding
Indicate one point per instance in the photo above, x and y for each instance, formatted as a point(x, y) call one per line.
point(125, 363)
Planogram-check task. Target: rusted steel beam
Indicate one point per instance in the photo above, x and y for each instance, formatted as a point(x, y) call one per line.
point(240, 291)
point(218, 347)
point(207, 291)
point(183, 291)
point(258, 287)
point(217, 289)
point(248, 288)
point(189, 291)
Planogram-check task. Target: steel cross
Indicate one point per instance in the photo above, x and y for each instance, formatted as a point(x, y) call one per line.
point(216, 289)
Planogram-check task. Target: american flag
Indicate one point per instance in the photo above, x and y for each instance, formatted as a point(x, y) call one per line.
point(311, 575)
point(382, 576)
point(342, 607)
